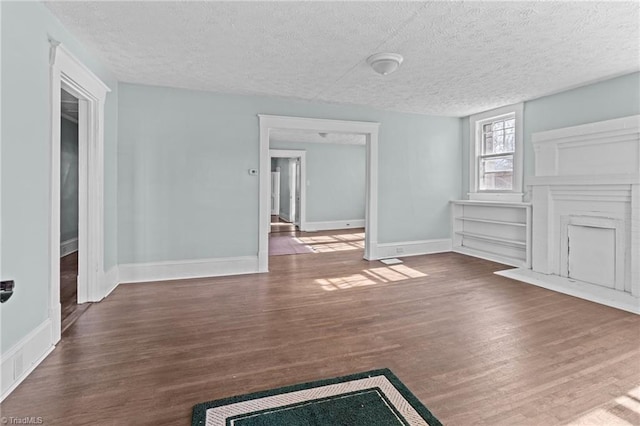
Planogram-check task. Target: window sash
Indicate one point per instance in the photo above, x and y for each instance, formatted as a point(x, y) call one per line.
point(482, 173)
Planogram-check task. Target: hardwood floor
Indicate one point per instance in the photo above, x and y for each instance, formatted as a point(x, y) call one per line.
point(280, 226)
point(476, 348)
point(70, 309)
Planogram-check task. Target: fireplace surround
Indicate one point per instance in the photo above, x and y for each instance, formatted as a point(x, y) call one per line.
point(586, 213)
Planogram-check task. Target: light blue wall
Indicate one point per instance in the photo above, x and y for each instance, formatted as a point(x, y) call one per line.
point(25, 162)
point(184, 190)
point(617, 97)
point(336, 180)
point(68, 180)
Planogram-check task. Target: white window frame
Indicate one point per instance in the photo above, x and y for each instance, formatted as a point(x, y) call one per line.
point(475, 141)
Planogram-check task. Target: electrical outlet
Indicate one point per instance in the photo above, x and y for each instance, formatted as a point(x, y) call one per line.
point(6, 290)
point(399, 250)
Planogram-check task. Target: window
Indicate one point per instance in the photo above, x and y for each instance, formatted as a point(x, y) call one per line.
point(495, 160)
point(496, 155)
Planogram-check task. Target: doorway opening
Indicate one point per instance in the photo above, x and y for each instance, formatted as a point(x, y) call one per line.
point(69, 214)
point(288, 205)
point(334, 185)
point(288, 195)
point(368, 131)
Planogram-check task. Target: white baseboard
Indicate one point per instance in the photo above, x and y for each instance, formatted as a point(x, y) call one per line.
point(333, 224)
point(284, 217)
point(68, 247)
point(19, 361)
point(413, 248)
point(594, 293)
point(505, 260)
point(182, 269)
point(110, 280)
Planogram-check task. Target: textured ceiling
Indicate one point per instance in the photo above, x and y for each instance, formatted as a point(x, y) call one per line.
point(460, 57)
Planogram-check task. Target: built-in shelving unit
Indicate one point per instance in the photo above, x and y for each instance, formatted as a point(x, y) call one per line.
point(497, 231)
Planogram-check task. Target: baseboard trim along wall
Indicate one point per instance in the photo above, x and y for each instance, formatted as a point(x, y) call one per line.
point(413, 248)
point(284, 217)
point(68, 247)
point(110, 280)
point(19, 361)
point(176, 270)
point(334, 224)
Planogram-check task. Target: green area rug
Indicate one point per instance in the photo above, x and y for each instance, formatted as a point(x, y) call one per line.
point(365, 399)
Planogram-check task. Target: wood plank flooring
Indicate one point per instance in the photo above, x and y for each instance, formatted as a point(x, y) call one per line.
point(280, 226)
point(476, 348)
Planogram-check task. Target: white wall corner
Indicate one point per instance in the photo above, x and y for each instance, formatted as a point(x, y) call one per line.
point(413, 248)
point(176, 270)
point(333, 225)
point(19, 361)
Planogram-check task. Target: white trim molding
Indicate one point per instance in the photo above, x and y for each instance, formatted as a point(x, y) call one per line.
point(68, 247)
point(69, 73)
point(267, 123)
point(334, 224)
point(19, 361)
point(413, 248)
point(185, 269)
point(475, 138)
point(110, 280)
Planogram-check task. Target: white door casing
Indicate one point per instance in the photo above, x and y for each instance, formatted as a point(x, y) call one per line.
point(275, 193)
point(296, 179)
point(69, 73)
point(267, 123)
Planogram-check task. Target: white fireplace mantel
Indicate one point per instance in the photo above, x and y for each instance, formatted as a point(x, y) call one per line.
point(586, 213)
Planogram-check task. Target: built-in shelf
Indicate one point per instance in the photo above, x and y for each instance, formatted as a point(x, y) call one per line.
point(500, 222)
point(495, 230)
point(498, 240)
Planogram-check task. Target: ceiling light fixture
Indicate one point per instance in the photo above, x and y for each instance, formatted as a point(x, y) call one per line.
point(385, 63)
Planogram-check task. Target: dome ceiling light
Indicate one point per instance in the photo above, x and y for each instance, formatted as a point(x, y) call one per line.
point(385, 63)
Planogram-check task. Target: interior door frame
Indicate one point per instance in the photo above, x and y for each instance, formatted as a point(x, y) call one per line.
point(69, 73)
point(370, 130)
point(275, 205)
point(302, 155)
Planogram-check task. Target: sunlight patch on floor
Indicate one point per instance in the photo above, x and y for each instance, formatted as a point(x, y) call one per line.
point(370, 276)
point(333, 243)
point(625, 412)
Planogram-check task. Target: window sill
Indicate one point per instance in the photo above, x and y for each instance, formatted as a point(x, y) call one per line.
point(496, 196)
